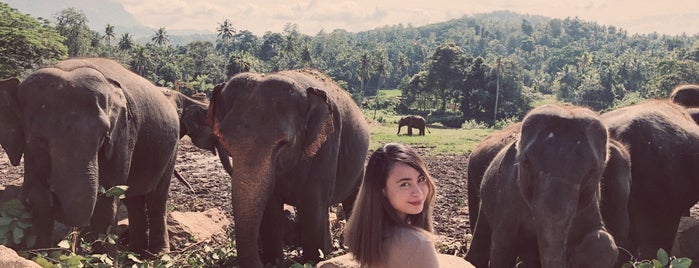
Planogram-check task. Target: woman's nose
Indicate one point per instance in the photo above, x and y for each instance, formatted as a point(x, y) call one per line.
point(417, 191)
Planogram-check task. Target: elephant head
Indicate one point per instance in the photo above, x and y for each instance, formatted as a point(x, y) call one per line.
point(560, 159)
point(64, 126)
point(275, 127)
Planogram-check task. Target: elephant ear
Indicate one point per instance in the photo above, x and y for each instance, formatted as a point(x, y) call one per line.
point(11, 132)
point(117, 111)
point(319, 121)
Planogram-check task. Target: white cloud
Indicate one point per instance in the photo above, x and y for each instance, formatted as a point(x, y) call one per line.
point(357, 15)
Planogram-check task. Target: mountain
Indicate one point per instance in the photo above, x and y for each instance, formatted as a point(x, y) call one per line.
point(102, 12)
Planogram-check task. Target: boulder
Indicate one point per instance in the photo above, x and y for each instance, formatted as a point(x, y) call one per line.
point(184, 227)
point(10, 259)
point(346, 261)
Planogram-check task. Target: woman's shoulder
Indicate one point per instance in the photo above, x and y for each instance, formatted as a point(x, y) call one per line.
point(411, 235)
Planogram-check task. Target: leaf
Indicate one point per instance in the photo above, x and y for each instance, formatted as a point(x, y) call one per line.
point(663, 257)
point(133, 258)
point(118, 190)
point(5, 220)
point(64, 244)
point(17, 235)
point(657, 264)
point(681, 263)
point(41, 261)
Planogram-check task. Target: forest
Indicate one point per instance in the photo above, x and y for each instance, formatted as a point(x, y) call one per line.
point(483, 68)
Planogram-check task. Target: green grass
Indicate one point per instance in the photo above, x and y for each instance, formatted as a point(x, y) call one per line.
point(440, 141)
point(384, 125)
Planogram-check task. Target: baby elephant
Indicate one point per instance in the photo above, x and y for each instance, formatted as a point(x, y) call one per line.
point(540, 196)
point(413, 121)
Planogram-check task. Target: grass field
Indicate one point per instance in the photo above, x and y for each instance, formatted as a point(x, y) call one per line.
point(440, 140)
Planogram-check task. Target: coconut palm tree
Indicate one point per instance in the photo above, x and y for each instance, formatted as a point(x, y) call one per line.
point(225, 31)
point(109, 33)
point(160, 37)
point(126, 42)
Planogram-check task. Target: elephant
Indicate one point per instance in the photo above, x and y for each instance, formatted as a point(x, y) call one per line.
point(193, 114)
point(294, 137)
point(542, 193)
point(413, 121)
point(663, 142)
point(686, 95)
point(89, 124)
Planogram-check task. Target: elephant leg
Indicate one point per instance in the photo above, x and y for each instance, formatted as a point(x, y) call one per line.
point(503, 249)
point(156, 202)
point(479, 251)
point(40, 200)
point(271, 231)
point(101, 221)
point(597, 249)
point(410, 130)
point(652, 227)
point(138, 223)
point(422, 131)
point(315, 229)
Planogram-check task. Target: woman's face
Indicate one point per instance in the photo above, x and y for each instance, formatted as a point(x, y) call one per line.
point(406, 189)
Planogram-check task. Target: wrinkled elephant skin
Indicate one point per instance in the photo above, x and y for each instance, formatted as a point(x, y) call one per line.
point(663, 142)
point(294, 137)
point(540, 195)
point(87, 124)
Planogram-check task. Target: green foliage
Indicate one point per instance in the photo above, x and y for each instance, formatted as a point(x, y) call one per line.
point(662, 260)
point(26, 43)
point(15, 225)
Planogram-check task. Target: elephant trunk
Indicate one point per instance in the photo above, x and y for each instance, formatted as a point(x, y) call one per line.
point(252, 183)
point(74, 185)
point(553, 203)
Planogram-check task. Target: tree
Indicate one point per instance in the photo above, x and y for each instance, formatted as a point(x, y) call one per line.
point(225, 31)
point(445, 71)
point(126, 42)
point(26, 43)
point(72, 24)
point(160, 37)
point(109, 34)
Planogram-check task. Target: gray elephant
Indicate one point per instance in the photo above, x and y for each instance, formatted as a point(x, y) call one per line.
point(86, 124)
point(663, 142)
point(413, 121)
point(540, 195)
point(193, 113)
point(686, 95)
point(295, 137)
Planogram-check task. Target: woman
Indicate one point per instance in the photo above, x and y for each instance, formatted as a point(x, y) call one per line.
point(392, 220)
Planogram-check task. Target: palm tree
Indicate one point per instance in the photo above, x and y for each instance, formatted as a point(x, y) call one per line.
point(109, 33)
point(365, 69)
point(160, 37)
point(225, 31)
point(126, 42)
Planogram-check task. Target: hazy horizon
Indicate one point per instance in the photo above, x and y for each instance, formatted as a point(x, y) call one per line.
point(645, 16)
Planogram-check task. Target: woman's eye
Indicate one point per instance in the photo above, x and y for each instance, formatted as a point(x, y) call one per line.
point(421, 179)
point(404, 184)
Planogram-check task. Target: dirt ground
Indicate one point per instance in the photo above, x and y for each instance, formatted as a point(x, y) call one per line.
point(211, 184)
point(212, 190)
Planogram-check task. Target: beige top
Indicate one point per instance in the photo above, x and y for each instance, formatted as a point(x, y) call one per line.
point(406, 248)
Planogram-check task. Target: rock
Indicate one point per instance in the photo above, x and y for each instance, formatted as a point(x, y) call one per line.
point(687, 238)
point(10, 259)
point(198, 226)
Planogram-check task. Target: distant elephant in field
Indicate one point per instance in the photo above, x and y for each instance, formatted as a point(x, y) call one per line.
point(192, 113)
point(663, 142)
point(686, 95)
point(297, 138)
point(87, 124)
point(540, 195)
point(413, 121)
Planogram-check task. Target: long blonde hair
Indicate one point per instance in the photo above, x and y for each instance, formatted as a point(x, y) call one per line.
point(373, 218)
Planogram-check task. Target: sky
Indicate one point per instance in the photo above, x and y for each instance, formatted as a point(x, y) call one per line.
point(259, 16)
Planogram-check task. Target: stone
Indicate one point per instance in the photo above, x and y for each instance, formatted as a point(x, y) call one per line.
point(10, 259)
point(346, 261)
point(186, 227)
